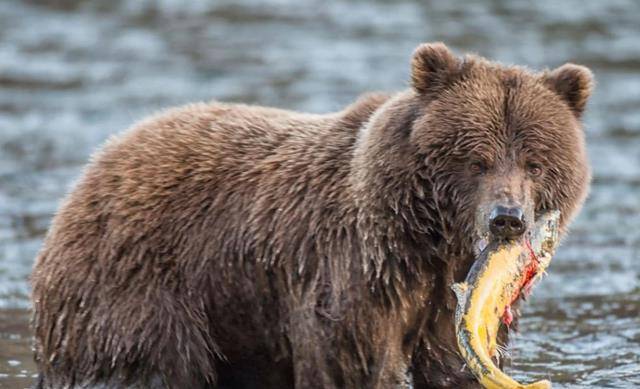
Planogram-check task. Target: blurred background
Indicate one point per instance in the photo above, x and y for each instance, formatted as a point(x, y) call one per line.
point(74, 72)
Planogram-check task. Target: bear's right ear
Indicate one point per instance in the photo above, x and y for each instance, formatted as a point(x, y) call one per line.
point(433, 67)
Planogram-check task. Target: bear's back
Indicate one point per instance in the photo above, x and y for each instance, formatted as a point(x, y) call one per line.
point(181, 209)
point(202, 161)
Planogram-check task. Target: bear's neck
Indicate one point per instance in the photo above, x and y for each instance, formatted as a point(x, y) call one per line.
point(403, 231)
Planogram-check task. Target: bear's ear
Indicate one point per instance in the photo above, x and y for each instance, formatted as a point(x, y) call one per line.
point(573, 83)
point(433, 67)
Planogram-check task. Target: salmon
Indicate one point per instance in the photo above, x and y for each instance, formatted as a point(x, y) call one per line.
point(503, 272)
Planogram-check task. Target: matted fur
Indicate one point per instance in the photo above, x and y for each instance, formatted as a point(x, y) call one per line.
point(257, 247)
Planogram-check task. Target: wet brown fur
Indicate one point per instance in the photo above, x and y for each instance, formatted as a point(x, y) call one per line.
point(257, 247)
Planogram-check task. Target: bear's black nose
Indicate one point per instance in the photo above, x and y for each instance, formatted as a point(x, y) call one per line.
point(507, 222)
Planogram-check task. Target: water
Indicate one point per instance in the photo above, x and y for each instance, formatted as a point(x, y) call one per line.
point(74, 72)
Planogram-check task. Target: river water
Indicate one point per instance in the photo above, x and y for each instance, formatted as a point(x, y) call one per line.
point(73, 72)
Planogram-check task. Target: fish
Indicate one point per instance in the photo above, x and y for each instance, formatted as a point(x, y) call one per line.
point(503, 272)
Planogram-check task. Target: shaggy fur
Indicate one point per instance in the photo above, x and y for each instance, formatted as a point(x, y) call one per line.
point(245, 247)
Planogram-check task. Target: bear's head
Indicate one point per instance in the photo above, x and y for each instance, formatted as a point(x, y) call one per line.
point(505, 144)
point(475, 150)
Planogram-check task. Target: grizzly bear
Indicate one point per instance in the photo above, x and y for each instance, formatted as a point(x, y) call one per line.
point(220, 245)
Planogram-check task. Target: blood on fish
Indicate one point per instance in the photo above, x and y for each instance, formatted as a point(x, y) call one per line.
point(529, 273)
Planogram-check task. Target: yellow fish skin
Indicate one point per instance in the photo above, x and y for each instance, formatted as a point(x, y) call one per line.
point(496, 279)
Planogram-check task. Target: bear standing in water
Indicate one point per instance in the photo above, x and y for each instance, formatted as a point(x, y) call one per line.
point(220, 245)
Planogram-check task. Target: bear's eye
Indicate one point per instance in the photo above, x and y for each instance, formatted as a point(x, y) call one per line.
point(477, 167)
point(534, 169)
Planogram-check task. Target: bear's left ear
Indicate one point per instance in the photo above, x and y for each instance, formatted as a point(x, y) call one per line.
point(573, 83)
point(433, 67)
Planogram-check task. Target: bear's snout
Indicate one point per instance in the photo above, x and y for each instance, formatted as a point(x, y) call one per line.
point(507, 221)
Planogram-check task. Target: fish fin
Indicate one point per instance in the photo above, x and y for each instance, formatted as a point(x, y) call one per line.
point(460, 289)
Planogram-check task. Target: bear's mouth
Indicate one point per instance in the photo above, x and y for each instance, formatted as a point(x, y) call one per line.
point(480, 244)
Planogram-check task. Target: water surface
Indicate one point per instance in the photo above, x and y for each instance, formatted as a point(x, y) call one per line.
point(75, 72)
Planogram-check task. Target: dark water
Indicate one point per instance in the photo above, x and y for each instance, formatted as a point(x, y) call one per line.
point(74, 72)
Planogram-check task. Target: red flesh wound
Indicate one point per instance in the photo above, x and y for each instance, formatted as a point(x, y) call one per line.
point(530, 271)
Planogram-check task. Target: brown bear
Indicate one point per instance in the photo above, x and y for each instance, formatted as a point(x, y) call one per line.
point(219, 245)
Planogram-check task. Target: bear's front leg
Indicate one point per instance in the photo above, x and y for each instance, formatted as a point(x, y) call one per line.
point(311, 352)
point(343, 353)
point(432, 366)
